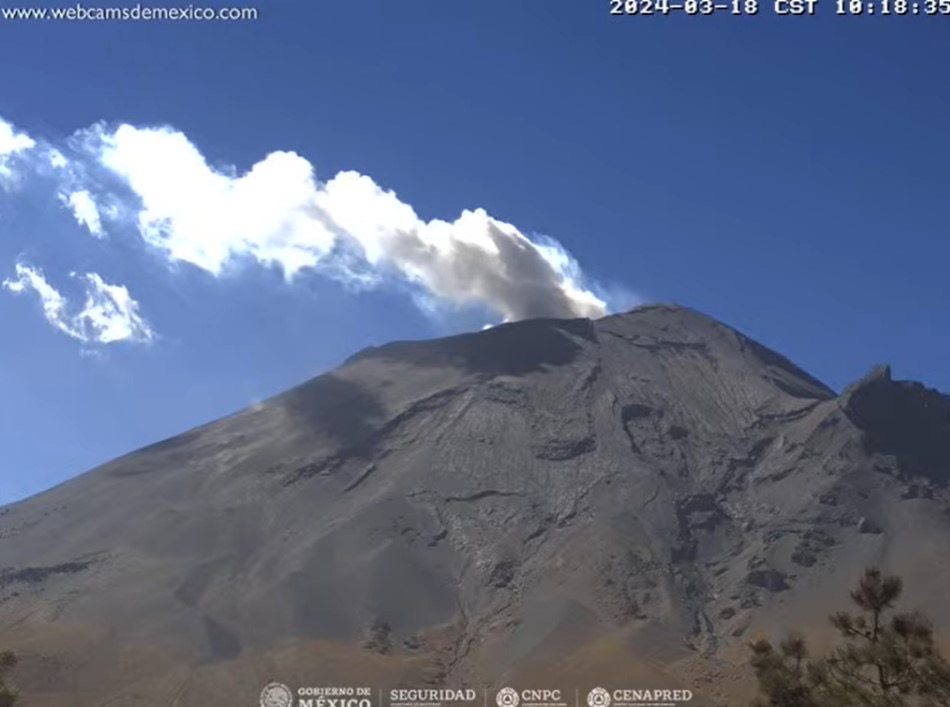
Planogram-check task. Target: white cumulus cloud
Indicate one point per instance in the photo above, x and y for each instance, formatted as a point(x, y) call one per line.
point(279, 214)
point(11, 143)
point(201, 216)
point(85, 210)
point(108, 314)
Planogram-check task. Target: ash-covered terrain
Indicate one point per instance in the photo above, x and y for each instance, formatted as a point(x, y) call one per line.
point(624, 501)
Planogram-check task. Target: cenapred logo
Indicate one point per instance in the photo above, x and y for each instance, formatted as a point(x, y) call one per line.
point(598, 697)
point(276, 694)
point(507, 697)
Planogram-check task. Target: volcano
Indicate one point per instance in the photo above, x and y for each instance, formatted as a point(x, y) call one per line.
point(626, 501)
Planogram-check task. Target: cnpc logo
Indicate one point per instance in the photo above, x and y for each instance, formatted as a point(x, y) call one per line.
point(510, 697)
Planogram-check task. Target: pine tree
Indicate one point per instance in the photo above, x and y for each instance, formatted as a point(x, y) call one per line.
point(782, 673)
point(886, 659)
point(8, 695)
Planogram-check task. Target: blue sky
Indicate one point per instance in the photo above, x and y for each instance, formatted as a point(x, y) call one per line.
point(274, 195)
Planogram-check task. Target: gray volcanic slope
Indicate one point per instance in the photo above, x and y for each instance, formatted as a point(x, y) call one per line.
point(626, 500)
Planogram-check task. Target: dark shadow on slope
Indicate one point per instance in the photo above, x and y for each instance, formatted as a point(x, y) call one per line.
point(37, 575)
point(508, 349)
point(339, 408)
point(223, 644)
point(904, 419)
